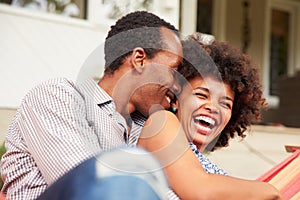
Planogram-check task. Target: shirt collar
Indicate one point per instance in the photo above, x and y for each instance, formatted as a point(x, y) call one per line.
point(91, 88)
point(138, 118)
point(100, 97)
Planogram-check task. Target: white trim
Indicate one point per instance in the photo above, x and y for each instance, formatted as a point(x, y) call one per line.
point(219, 19)
point(50, 17)
point(188, 16)
point(297, 43)
point(97, 12)
point(273, 101)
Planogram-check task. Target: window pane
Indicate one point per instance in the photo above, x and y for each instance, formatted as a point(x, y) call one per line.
point(71, 8)
point(116, 8)
point(279, 48)
point(204, 16)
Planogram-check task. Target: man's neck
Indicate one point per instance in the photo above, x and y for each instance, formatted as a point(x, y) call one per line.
point(120, 93)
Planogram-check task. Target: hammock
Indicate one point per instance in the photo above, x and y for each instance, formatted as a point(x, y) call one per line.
point(286, 175)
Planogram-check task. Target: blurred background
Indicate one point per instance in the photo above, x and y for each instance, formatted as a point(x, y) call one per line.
point(42, 39)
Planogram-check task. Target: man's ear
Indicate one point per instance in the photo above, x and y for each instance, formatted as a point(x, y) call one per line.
point(138, 58)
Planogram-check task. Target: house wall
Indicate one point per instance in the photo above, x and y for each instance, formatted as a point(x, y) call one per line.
point(6, 116)
point(36, 46)
point(234, 24)
point(289, 109)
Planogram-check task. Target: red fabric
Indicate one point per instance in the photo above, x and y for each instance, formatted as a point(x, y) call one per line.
point(272, 172)
point(293, 187)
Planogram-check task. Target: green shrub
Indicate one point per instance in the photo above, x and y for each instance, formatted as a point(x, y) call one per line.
point(2, 151)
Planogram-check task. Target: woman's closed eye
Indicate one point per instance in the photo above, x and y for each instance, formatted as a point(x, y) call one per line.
point(201, 95)
point(201, 92)
point(226, 104)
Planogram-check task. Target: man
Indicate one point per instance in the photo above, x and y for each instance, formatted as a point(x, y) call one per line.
point(60, 124)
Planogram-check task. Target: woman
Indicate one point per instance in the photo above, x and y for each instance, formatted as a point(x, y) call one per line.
point(241, 84)
point(217, 103)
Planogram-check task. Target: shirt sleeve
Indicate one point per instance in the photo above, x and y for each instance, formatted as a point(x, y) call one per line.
point(50, 134)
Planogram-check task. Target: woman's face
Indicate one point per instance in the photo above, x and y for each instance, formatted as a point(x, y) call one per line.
point(205, 107)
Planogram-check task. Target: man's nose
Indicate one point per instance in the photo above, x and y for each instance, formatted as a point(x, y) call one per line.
point(176, 88)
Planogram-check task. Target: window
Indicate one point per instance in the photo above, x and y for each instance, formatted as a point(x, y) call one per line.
point(282, 45)
point(103, 12)
point(204, 16)
point(71, 8)
point(279, 40)
point(106, 12)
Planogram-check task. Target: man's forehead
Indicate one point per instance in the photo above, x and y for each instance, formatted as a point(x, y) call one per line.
point(172, 42)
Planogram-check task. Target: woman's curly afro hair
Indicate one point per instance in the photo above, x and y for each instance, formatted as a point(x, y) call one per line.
point(236, 70)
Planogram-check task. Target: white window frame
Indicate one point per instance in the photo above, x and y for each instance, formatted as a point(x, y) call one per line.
point(293, 8)
point(167, 9)
point(189, 18)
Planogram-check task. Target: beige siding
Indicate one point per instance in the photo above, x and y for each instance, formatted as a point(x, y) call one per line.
point(6, 115)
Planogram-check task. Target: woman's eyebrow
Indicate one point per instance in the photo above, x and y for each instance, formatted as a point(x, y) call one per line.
point(202, 88)
point(228, 98)
point(207, 90)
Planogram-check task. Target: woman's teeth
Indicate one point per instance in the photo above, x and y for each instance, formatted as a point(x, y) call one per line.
point(209, 122)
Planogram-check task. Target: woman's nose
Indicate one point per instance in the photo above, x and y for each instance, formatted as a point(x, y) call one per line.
point(212, 107)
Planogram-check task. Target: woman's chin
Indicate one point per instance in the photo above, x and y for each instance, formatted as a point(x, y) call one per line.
point(200, 145)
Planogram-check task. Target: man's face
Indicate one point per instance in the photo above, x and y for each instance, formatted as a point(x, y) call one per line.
point(158, 83)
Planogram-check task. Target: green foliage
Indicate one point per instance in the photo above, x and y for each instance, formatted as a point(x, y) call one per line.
point(2, 151)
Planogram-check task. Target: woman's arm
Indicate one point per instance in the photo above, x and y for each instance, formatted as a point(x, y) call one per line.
point(163, 136)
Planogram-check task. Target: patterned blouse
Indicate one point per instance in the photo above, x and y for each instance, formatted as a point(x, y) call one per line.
point(209, 167)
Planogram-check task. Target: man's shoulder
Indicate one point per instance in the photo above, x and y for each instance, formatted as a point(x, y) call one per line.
point(52, 88)
point(53, 84)
point(60, 81)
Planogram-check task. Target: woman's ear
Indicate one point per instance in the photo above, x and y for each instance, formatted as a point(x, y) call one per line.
point(174, 106)
point(178, 111)
point(138, 59)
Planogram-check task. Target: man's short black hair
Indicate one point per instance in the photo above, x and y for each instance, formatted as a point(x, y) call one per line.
point(136, 29)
